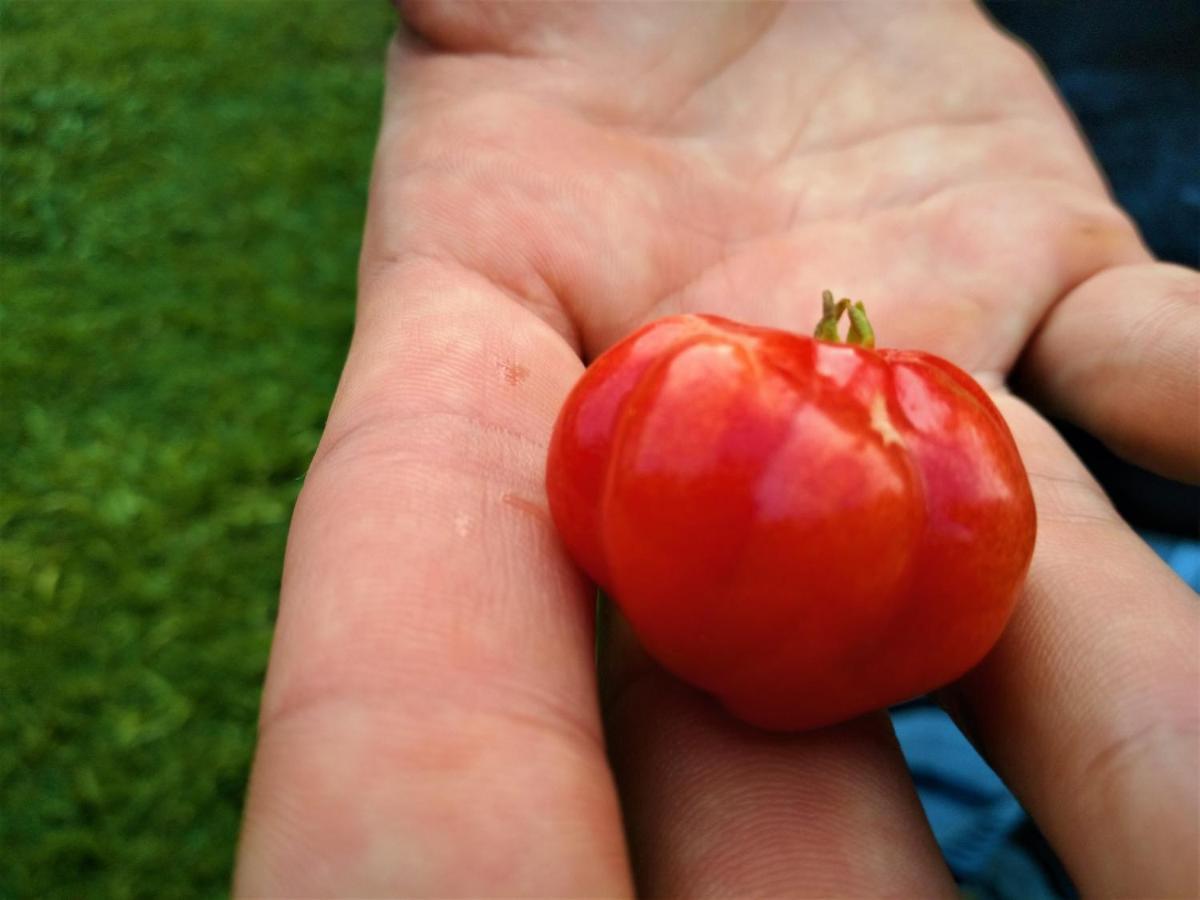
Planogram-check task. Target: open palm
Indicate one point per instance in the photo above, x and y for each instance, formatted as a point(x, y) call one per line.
point(549, 177)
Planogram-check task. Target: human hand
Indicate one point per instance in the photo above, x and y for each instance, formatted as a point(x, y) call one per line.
point(550, 176)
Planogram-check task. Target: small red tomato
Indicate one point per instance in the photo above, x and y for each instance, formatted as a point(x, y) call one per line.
point(807, 529)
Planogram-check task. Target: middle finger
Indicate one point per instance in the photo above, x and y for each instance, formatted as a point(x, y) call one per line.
point(718, 808)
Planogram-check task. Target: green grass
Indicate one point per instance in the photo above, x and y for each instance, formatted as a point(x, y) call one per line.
point(182, 188)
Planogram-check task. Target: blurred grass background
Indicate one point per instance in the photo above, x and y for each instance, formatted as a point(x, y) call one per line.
point(182, 184)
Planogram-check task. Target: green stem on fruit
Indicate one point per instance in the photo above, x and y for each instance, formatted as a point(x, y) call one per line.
point(861, 333)
point(827, 328)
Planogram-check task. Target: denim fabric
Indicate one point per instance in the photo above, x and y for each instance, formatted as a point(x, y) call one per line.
point(970, 810)
point(1181, 554)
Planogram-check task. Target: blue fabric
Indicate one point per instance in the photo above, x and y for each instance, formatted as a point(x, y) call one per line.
point(1015, 874)
point(970, 810)
point(1180, 554)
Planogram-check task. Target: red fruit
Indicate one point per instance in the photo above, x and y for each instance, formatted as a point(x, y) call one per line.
point(807, 529)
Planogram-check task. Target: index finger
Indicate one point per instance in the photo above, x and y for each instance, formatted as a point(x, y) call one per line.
point(430, 722)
